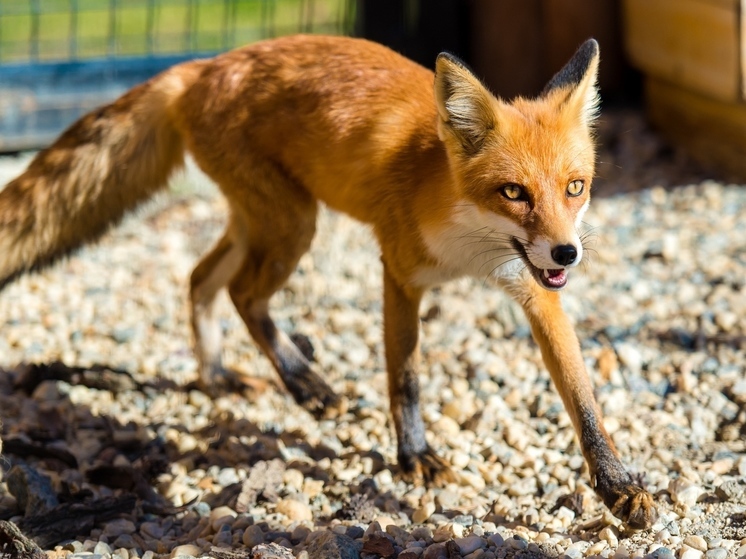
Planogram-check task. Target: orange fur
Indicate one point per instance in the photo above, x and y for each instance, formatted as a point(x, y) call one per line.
point(452, 180)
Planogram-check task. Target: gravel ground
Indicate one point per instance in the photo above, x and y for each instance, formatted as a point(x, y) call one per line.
point(660, 308)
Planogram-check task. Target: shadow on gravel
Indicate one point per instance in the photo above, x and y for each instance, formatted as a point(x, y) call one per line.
point(122, 461)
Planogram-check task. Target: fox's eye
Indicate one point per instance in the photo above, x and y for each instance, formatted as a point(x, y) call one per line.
point(575, 188)
point(512, 191)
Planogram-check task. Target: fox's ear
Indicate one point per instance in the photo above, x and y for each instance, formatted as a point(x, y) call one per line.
point(575, 85)
point(464, 104)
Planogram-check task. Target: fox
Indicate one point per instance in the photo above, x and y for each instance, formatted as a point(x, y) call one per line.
point(453, 181)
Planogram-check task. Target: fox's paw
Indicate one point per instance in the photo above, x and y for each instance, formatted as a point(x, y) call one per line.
point(217, 381)
point(631, 503)
point(314, 394)
point(227, 381)
point(426, 468)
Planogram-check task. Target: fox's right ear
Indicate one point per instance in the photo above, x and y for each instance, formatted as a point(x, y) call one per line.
point(575, 87)
point(465, 106)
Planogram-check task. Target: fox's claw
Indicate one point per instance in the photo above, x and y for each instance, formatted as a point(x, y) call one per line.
point(427, 468)
point(218, 381)
point(633, 504)
point(314, 394)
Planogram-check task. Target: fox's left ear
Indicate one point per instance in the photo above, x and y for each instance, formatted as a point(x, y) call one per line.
point(465, 106)
point(574, 86)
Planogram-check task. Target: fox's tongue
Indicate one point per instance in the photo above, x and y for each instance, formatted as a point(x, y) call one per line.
point(555, 277)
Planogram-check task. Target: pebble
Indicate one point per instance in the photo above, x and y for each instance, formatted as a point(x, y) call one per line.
point(517, 542)
point(329, 545)
point(271, 551)
point(223, 538)
point(662, 553)
point(447, 499)
point(696, 542)
point(152, 530)
point(469, 544)
point(690, 553)
point(253, 535)
point(117, 527)
point(32, 490)
point(596, 548)
point(435, 551)
point(496, 539)
point(102, 548)
point(294, 510)
point(448, 532)
point(423, 513)
point(684, 491)
point(125, 541)
point(610, 536)
point(379, 544)
point(732, 490)
point(186, 550)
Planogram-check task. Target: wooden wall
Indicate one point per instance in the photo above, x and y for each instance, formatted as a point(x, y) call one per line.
point(518, 45)
point(515, 46)
point(693, 56)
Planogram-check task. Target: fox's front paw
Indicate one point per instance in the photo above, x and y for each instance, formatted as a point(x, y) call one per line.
point(631, 503)
point(426, 468)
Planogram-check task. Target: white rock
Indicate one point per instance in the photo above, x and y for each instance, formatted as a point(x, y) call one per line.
point(690, 553)
point(294, 510)
point(421, 515)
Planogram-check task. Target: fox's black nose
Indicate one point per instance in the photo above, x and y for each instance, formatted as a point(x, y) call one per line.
point(564, 255)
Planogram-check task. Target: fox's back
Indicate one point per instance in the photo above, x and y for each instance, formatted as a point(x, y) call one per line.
point(334, 113)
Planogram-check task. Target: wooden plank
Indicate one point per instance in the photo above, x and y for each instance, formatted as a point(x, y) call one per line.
point(713, 132)
point(692, 43)
point(507, 46)
point(567, 23)
point(518, 45)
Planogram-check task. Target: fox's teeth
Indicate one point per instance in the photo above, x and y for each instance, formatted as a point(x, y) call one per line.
point(546, 273)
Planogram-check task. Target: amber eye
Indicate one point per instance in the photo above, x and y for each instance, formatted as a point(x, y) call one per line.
point(512, 191)
point(575, 188)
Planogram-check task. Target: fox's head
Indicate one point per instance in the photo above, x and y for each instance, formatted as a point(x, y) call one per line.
point(523, 169)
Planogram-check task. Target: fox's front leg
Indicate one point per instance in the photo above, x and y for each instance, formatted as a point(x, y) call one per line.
point(401, 338)
point(561, 352)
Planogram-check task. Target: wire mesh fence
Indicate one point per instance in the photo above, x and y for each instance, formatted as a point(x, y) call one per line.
point(55, 30)
point(62, 58)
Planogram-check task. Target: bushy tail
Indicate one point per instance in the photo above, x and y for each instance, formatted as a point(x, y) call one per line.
point(104, 165)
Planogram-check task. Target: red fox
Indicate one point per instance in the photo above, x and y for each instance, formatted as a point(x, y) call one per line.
point(452, 180)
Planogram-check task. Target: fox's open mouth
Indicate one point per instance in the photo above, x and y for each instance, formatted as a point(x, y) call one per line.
point(552, 279)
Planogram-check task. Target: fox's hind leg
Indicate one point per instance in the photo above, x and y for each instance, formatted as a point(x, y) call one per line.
point(277, 238)
point(213, 273)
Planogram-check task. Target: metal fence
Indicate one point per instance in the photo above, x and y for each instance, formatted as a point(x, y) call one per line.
point(62, 58)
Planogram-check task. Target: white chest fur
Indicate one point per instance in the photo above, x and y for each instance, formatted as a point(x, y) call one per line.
point(472, 242)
